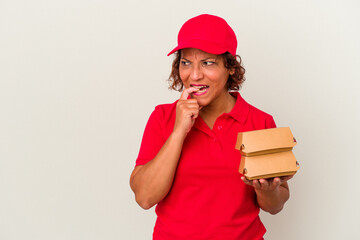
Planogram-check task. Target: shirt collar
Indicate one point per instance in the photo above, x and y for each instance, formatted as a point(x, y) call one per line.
point(241, 109)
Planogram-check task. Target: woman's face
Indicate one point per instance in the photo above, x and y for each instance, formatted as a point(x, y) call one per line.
point(205, 71)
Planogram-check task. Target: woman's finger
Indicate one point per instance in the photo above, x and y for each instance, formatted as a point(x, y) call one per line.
point(264, 183)
point(256, 184)
point(185, 94)
point(246, 181)
point(276, 182)
point(286, 178)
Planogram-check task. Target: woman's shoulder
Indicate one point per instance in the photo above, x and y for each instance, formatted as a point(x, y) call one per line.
point(253, 116)
point(260, 118)
point(163, 117)
point(165, 108)
point(164, 113)
point(258, 112)
point(246, 110)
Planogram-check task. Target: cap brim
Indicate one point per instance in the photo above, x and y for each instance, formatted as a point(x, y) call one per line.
point(203, 45)
point(174, 50)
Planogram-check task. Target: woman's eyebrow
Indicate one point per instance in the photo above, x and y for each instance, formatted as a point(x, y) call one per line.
point(205, 59)
point(185, 59)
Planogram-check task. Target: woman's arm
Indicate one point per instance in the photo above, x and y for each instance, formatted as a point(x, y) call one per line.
point(152, 182)
point(271, 193)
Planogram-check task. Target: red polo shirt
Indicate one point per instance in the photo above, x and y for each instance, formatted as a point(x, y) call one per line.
point(208, 200)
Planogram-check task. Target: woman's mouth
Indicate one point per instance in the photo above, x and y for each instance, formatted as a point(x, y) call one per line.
point(202, 89)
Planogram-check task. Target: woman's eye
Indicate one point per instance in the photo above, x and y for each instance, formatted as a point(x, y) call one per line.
point(185, 63)
point(208, 63)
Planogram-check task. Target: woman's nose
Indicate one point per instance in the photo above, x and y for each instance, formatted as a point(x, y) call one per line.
point(196, 73)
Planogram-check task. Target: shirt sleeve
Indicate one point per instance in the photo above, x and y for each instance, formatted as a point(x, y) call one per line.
point(269, 122)
point(153, 139)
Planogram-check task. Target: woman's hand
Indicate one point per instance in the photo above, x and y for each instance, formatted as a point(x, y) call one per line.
point(272, 193)
point(187, 110)
point(269, 184)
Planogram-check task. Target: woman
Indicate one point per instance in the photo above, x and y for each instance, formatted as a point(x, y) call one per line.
point(188, 164)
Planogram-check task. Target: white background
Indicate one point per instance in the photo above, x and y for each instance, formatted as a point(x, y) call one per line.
point(79, 78)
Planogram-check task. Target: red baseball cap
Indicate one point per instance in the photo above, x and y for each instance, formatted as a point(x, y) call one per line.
point(209, 33)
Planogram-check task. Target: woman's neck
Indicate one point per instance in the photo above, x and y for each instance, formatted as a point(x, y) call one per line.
point(211, 112)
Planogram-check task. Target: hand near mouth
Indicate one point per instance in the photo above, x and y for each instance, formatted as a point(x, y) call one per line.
point(202, 89)
point(187, 110)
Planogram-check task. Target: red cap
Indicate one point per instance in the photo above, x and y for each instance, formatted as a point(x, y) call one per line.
point(209, 33)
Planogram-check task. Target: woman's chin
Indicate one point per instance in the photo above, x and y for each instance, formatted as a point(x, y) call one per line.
point(202, 102)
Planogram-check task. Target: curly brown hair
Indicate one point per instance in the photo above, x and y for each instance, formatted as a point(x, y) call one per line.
point(234, 81)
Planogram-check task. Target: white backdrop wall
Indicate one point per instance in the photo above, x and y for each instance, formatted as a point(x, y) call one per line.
point(79, 78)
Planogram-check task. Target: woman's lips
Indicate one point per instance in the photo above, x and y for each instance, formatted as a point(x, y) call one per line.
point(202, 89)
